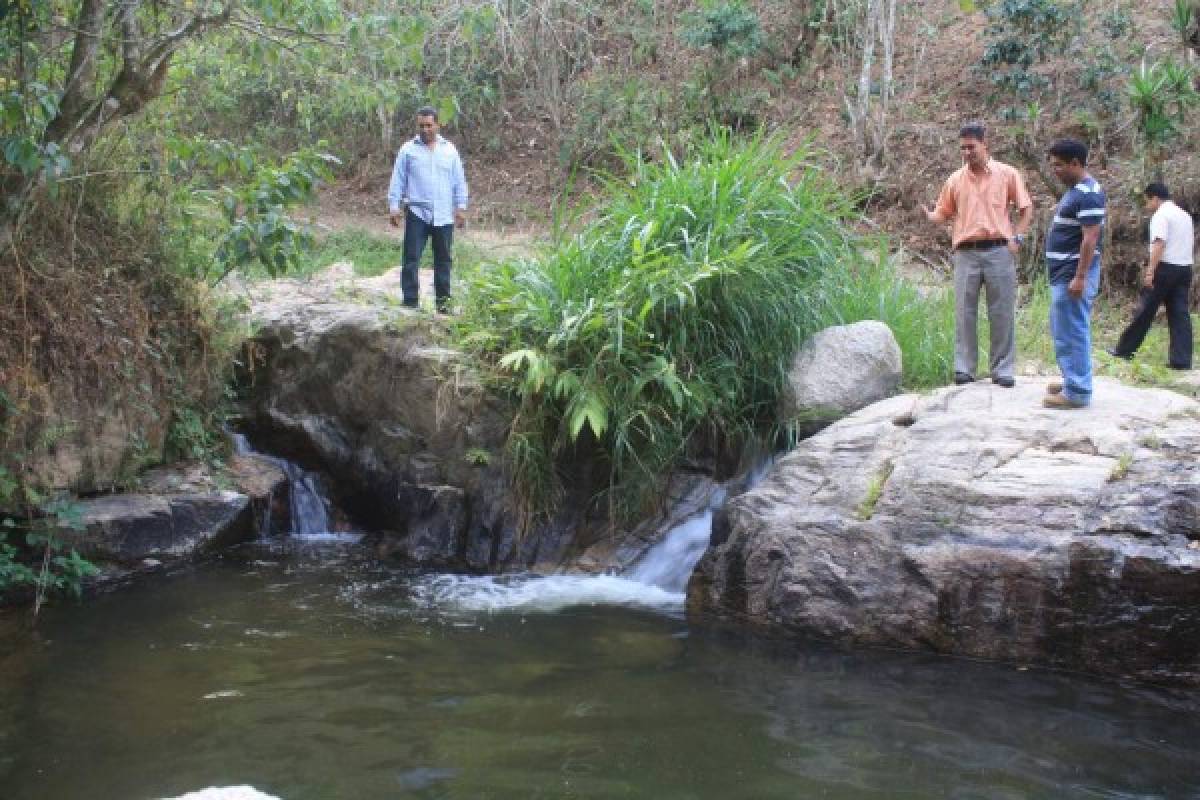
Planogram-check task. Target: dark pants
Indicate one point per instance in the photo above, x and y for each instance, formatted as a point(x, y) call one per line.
point(416, 232)
point(1172, 283)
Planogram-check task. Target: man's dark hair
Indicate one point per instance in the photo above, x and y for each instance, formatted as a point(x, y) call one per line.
point(1158, 190)
point(427, 111)
point(1070, 150)
point(973, 130)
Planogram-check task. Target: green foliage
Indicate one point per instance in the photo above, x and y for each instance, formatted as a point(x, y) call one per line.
point(1022, 34)
point(194, 434)
point(729, 27)
point(1182, 16)
point(31, 554)
point(24, 113)
point(866, 509)
point(729, 30)
point(674, 314)
point(1116, 22)
point(246, 208)
point(615, 113)
point(1161, 95)
point(477, 457)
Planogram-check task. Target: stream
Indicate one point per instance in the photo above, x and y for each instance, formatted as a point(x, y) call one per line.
point(305, 668)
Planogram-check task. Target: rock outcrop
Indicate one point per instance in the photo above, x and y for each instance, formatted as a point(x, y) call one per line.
point(972, 521)
point(840, 370)
point(346, 381)
point(178, 514)
point(129, 529)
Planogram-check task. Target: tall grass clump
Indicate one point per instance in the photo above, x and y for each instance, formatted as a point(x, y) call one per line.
point(670, 320)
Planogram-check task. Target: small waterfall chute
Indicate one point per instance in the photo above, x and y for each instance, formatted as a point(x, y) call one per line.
point(309, 504)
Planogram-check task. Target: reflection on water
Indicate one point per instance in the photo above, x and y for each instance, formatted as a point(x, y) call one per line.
point(307, 679)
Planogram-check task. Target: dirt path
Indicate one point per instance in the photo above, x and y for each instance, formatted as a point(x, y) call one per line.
point(341, 210)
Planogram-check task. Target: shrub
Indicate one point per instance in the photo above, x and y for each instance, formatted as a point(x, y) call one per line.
point(674, 315)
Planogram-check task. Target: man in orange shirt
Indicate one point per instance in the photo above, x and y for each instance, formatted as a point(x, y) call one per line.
point(979, 198)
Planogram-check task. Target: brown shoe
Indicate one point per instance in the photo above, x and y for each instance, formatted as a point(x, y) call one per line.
point(1060, 401)
point(1054, 387)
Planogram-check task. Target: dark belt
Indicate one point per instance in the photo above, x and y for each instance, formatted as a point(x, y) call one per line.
point(982, 244)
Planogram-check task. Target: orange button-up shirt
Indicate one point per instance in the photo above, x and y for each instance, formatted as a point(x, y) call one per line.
point(979, 204)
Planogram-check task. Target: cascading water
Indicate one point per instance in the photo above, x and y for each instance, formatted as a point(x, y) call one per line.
point(657, 581)
point(309, 503)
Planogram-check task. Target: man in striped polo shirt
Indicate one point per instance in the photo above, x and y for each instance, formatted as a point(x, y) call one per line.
point(1073, 266)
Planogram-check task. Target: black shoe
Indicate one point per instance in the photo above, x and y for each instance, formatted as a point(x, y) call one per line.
point(443, 308)
point(1004, 380)
point(1179, 366)
point(1112, 351)
point(961, 377)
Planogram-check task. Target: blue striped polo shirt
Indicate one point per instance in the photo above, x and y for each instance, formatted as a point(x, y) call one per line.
point(1082, 206)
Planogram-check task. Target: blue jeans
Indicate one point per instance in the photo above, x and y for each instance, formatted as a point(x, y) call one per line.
point(416, 233)
point(1071, 330)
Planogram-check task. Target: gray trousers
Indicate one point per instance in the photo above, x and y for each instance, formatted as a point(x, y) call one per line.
point(996, 271)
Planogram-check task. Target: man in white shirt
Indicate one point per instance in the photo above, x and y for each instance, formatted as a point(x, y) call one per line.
point(1167, 280)
point(428, 192)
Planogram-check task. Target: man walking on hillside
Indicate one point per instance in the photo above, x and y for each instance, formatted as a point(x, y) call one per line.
point(1073, 264)
point(978, 198)
point(1167, 280)
point(429, 191)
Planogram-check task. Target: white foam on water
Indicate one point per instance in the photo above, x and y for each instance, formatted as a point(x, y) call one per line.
point(541, 594)
point(657, 582)
point(226, 793)
point(328, 538)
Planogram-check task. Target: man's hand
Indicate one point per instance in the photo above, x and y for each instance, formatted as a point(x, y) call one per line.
point(397, 216)
point(931, 215)
point(460, 218)
point(1148, 279)
point(1014, 247)
point(1075, 287)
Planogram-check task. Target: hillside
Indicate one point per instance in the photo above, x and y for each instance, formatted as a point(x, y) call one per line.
point(803, 94)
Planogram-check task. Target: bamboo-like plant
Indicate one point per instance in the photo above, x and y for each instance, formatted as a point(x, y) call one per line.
point(1182, 16)
point(1161, 94)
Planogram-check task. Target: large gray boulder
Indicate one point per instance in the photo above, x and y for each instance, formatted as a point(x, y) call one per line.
point(973, 521)
point(840, 370)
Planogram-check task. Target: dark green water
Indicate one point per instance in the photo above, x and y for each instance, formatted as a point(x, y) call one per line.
point(317, 677)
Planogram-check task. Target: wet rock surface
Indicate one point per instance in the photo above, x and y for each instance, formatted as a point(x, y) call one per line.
point(972, 521)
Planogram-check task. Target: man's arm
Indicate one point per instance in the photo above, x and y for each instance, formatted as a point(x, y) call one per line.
point(460, 192)
point(1024, 222)
point(944, 209)
point(1087, 251)
point(1157, 248)
point(397, 189)
point(1018, 198)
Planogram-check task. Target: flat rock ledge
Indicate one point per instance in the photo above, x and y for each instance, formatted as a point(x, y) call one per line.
point(972, 521)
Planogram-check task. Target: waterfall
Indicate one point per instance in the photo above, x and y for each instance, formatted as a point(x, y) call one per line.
point(669, 564)
point(656, 581)
point(309, 503)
